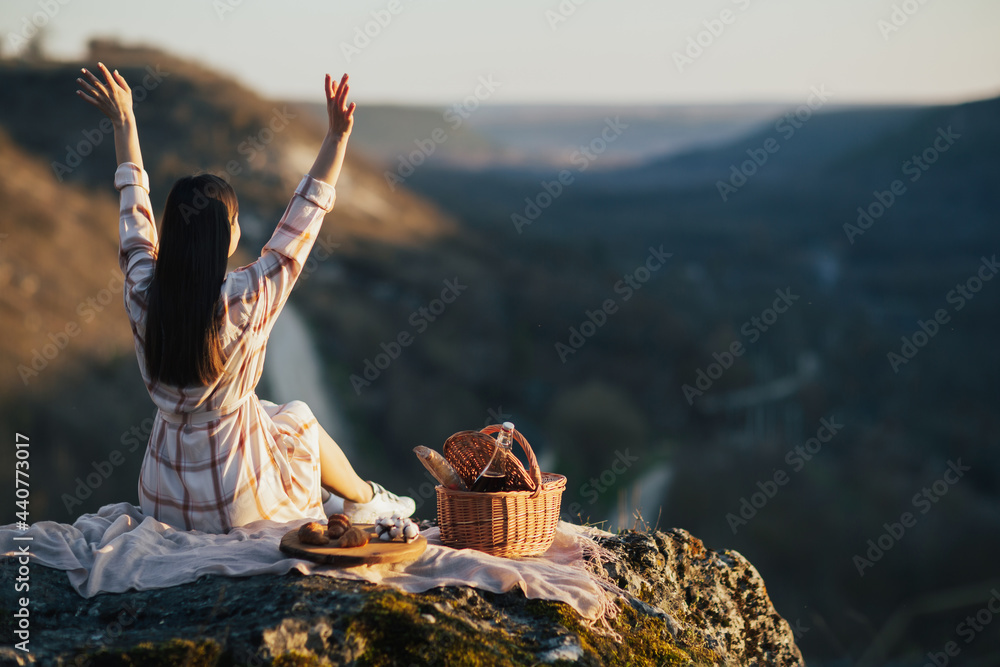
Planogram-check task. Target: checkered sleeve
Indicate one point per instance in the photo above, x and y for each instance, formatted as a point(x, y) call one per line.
point(137, 237)
point(285, 255)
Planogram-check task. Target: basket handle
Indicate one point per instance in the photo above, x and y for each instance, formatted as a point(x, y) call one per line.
point(533, 470)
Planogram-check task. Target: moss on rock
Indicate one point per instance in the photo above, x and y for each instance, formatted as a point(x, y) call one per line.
point(394, 624)
point(298, 659)
point(205, 653)
point(645, 640)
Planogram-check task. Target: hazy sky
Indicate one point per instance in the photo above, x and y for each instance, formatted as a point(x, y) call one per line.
point(620, 51)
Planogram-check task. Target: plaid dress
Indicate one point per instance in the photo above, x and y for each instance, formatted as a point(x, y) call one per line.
point(218, 456)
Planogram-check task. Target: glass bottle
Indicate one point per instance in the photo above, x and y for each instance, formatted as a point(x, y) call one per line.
point(494, 475)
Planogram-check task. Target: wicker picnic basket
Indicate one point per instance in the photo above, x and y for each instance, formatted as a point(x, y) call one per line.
point(518, 521)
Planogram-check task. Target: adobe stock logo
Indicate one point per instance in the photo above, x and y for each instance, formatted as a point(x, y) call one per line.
point(797, 457)
point(914, 167)
point(627, 286)
point(364, 34)
point(713, 29)
point(752, 329)
point(420, 319)
point(455, 116)
point(58, 340)
point(582, 158)
point(31, 24)
point(76, 152)
point(967, 629)
point(923, 500)
point(597, 486)
point(786, 126)
point(928, 329)
point(562, 13)
point(899, 17)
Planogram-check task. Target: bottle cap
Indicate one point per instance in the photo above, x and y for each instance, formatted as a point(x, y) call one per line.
point(508, 426)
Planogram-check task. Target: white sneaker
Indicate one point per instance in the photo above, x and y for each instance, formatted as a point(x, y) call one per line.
point(332, 503)
point(383, 503)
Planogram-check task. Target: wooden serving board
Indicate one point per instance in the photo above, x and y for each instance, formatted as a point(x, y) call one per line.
point(376, 551)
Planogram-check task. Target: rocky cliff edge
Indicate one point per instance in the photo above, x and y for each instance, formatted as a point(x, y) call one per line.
point(680, 604)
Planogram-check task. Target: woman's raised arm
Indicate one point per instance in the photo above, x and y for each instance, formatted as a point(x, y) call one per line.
point(331, 153)
point(113, 98)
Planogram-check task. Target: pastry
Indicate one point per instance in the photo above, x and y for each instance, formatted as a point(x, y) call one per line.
point(353, 537)
point(337, 526)
point(313, 533)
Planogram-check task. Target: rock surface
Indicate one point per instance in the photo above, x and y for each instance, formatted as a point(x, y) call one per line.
point(684, 604)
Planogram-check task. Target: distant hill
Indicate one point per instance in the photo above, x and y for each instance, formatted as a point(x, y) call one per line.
point(384, 133)
point(833, 156)
point(474, 134)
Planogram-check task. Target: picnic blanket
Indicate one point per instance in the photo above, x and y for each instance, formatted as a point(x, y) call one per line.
point(119, 548)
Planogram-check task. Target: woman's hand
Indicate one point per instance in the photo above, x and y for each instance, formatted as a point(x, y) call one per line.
point(331, 154)
point(112, 96)
point(341, 115)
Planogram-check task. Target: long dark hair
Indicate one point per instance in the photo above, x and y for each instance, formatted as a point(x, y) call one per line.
point(182, 345)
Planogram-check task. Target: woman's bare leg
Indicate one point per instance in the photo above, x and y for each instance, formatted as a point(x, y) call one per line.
point(336, 473)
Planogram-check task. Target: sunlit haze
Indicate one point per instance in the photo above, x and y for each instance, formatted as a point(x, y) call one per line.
point(552, 51)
